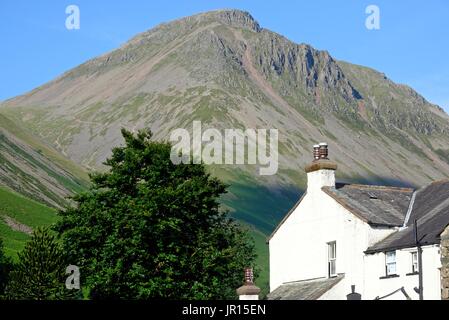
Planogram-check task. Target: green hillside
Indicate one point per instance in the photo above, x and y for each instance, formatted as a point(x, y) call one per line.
point(22, 211)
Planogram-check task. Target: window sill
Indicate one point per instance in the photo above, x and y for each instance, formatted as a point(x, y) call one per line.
point(412, 274)
point(390, 276)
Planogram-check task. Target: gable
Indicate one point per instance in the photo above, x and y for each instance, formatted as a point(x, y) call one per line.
point(287, 216)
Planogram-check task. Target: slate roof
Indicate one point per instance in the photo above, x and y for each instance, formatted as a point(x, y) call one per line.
point(388, 206)
point(431, 210)
point(304, 290)
point(376, 205)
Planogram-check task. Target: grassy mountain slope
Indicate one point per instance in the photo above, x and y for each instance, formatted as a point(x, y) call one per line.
point(34, 169)
point(17, 215)
point(35, 180)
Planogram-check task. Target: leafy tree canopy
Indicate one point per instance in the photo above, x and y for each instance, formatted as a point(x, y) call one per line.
point(150, 229)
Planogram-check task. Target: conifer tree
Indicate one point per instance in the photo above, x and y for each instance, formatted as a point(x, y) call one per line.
point(39, 273)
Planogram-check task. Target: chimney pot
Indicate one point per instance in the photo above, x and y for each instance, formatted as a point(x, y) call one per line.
point(249, 276)
point(323, 150)
point(316, 152)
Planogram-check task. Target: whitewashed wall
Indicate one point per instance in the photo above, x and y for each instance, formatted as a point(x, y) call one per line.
point(298, 250)
point(375, 269)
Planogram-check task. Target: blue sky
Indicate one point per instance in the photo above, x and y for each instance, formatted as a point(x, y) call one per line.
point(411, 47)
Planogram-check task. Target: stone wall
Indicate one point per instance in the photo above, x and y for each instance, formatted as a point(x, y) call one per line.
point(445, 264)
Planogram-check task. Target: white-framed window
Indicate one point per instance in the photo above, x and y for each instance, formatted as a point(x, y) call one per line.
point(415, 266)
point(390, 263)
point(332, 258)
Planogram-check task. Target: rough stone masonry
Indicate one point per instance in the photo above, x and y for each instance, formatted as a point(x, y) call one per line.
point(445, 264)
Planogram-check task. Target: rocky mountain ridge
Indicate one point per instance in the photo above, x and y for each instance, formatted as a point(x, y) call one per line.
point(224, 69)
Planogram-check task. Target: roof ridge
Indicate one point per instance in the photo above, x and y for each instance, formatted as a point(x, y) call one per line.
point(434, 211)
point(446, 180)
point(339, 275)
point(433, 183)
point(372, 186)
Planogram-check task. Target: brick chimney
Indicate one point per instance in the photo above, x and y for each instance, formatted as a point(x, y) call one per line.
point(321, 172)
point(248, 291)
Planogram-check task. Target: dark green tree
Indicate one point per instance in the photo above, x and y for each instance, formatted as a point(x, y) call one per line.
point(39, 273)
point(5, 269)
point(150, 229)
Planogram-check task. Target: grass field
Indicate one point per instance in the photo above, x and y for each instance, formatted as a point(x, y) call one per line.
point(24, 211)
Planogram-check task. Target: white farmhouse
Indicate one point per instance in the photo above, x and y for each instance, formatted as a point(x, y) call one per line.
point(344, 236)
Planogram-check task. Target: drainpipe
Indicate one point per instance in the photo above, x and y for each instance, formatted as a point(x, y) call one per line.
point(420, 269)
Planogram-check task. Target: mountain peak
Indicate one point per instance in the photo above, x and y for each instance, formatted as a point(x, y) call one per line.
point(233, 18)
point(230, 17)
